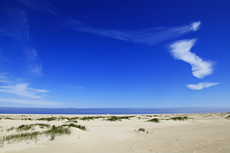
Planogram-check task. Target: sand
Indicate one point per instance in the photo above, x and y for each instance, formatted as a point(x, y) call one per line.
point(201, 133)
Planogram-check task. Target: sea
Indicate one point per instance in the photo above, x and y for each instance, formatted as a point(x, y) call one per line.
point(104, 111)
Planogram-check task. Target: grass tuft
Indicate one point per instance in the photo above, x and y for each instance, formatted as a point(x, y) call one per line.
point(87, 118)
point(118, 118)
point(179, 118)
point(75, 126)
point(141, 130)
point(26, 119)
point(7, 118)
point(59, 119)
point(10, 129)
point(156, 120)
point(47, 119)
point(53, 132)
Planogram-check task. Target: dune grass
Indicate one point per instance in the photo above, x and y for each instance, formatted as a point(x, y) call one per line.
point(75, 126)
point(10, 129)
point(67, 118)
point(20, 137)
point(72, 121)
point(31, 127)
point(25, 127)
point(26, 119)
point(227, 117)
point(7, 118)
point(179, 118)
point(47, 119)
point(156, 120)
point(141, 130)
point(42, 126)
point(88, 118)
point(33, 136)
point(59, 119)
point(118, 118)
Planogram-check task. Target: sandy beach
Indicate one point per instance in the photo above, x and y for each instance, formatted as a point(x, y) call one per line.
point(160, 133)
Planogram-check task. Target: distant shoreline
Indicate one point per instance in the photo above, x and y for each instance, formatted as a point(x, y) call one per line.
point(111, 111)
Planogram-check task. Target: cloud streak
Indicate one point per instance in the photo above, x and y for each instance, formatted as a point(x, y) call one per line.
point(147, 37)
point(181, 51)
point(201, 85)
point(150, 36)
point(23, 91)
point(15, 25)
point(33, 102)
point(41, 5)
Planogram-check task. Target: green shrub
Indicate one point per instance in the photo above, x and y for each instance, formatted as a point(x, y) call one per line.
point(118, 118)
point(91, 117)
point(141, 129)
point(26, 119)
point(10, 129)
point(227, 117)
point(156, 120)
point(25, 127)
point(179, 118)
point(47, 119)
point(75, 126)
point(7, 118)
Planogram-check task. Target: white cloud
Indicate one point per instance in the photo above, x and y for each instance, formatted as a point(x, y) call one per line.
point(34, 64)
point(15, 25)
point(195, 25)
point(201, 85)
point(22, 90)
point(33, 102)
point(38, 90)
point(4, 79)
point(37, 5)
point(148, 36)
point(181, 51)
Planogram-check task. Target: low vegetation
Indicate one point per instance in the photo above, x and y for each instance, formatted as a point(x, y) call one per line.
point(59, 119)
point(118, 118)
point(141, 130)
point(52, 132)
point(179, 118)
point(47, 119)
point(10, 129)
point(31, 127)
point(7, 118)
point(227, 117)
point(75, 126)
point(156, 120)
point(87, 118)
point(26, 119)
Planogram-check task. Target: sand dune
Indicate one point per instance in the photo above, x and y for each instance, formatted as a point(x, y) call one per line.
point(206, 133)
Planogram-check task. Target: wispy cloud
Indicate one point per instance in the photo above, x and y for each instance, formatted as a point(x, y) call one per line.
point(181, 51)
point(149, 36)
point(15, 25)
point(201, 85)
point(37, 5)
point(195, 25)
point(32, 102)
point(23, 90)
point(4, 79)
point(34, 64)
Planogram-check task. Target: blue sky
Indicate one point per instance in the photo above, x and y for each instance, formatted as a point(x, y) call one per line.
point(114, 54)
